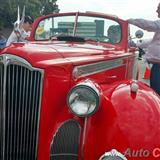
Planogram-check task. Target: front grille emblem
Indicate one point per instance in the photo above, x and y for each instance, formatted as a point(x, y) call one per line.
point(5, 59)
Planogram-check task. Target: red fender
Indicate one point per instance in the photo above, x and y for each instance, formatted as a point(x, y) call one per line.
point(125, 121)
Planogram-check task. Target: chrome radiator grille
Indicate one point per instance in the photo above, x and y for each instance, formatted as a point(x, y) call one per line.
point(66, 141)
point(20, 92)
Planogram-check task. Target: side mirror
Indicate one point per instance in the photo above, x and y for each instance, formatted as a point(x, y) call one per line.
point(139, 34)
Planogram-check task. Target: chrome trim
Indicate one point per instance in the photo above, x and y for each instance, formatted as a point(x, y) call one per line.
point(12, 59)
point(126, 72)
point(75, 23)
point(41, 87)
point(91, 86)
point(103, 14)
point(83, 137)
point(135, 66)
point(113, 153)
point(93, 68)
point(3, 108)
point(7, 59)
point(64, 154)
point(1, 104)
point(128, 64)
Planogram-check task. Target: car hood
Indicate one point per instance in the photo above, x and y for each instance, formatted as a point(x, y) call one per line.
point(43, 54)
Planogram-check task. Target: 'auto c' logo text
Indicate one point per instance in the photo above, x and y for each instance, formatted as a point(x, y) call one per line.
point(142, 153)
point(156, 152)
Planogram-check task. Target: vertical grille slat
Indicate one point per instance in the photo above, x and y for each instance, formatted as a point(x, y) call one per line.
point(22, 114)
point(29, 114)
point(20, 96)
point(33, 119)
point(1, 109)
point(8, 113)
point(11, 107)
point(25, 112)
point(19, 113)
point(15, 96)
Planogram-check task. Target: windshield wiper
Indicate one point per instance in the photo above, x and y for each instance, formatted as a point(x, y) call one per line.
point(68, 38)
point(92, 39)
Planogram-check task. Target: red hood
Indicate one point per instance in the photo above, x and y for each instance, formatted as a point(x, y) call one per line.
point(43, 54)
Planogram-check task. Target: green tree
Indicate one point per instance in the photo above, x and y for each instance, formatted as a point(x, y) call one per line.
point(49, 6)
point(34, 8)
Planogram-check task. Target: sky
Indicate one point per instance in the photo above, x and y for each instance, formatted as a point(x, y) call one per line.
point(124, 9)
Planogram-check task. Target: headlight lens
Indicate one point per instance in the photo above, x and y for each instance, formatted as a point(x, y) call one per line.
point(83, 100)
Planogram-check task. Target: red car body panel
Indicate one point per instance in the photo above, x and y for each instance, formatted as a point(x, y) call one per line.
point(121, 129)
point(125, 119)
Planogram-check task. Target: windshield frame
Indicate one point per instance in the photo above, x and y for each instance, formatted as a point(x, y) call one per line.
point(123, 24)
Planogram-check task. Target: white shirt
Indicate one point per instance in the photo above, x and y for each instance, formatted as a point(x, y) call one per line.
point(153, 48)
point(15, 38)
point(12, 38)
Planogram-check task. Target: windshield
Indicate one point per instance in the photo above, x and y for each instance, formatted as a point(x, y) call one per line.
point(90, 28)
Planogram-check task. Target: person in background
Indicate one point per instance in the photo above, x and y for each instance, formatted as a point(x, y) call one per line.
point(2, 41)
point(21, 36)
point(114, 34)
point(153, 47)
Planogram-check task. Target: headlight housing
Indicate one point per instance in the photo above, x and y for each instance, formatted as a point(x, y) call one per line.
point(113, 155)
point(84, 99)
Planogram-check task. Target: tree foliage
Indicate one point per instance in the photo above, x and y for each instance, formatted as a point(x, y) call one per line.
point(49, 7)
point(34, 8)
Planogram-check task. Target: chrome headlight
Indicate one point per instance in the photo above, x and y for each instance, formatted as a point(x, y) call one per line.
point(83, 99)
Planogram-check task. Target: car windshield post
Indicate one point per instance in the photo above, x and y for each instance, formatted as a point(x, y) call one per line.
point(75, 24)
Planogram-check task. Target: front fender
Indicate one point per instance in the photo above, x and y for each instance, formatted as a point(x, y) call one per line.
point(125, 120)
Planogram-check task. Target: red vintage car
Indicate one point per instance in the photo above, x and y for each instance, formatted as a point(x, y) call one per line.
point(70, 93)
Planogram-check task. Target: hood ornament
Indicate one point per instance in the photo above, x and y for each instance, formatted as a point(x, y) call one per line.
point(134, 86)
point(18, 24)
